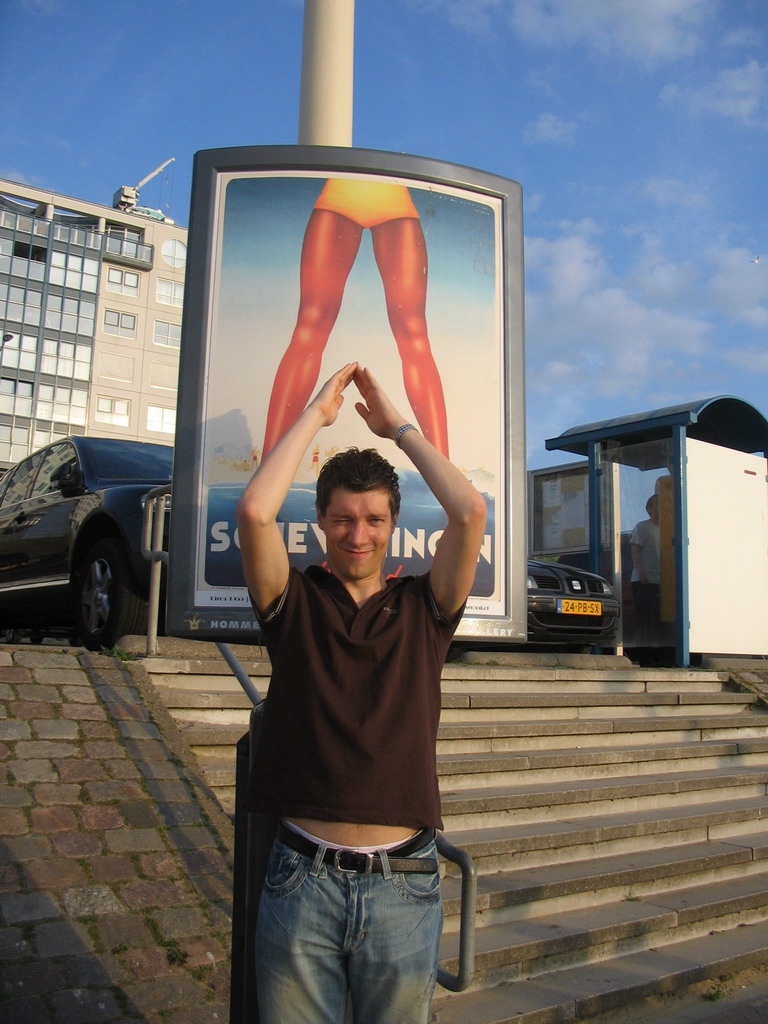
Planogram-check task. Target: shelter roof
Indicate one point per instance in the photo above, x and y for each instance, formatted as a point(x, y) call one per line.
point(724, 420)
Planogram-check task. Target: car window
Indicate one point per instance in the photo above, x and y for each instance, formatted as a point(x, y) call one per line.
point(20, 479)
point(57, 459)
point(113, 459)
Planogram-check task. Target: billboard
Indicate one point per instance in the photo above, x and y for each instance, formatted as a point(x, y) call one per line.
point(558, 509)
point(302, 259)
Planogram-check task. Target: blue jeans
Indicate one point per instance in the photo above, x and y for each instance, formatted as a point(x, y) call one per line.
point(323, 932)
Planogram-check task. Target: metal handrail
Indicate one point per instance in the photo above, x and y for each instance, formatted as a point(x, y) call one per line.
point(240, 674)
point(467, 916)
point(153, 528)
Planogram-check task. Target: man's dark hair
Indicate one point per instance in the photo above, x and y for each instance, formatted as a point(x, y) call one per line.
point(358, 471)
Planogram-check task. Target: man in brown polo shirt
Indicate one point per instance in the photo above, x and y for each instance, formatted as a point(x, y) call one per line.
point(346, 757)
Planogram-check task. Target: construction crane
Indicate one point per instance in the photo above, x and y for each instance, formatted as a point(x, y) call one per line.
point(127, 196)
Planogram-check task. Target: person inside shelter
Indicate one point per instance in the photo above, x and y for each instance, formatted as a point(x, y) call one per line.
point(346, 755)
point(645, 545)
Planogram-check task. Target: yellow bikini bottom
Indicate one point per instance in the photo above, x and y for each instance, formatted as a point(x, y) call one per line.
point(367, 203)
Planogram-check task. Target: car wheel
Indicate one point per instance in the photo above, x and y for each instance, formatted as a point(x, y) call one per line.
point(107, 605)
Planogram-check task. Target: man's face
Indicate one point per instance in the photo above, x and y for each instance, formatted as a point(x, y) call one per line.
point(357, 528)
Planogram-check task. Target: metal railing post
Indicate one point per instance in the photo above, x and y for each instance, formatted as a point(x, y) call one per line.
point(152, 549)
point(458, 982)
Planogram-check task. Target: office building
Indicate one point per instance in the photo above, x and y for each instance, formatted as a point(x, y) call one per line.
point(90, 309)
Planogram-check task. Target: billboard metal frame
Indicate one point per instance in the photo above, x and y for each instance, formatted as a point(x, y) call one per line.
point(501, 618)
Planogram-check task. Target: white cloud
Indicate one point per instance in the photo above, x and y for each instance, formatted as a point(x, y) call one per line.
point(644, 29)
point(640, 29)
point(588, 328)
point(740, 287)
point(659, 280)
point(674, 192)
point(550, 128)
point(740, 94)
point(742, 36)
point(11, 174)
point(753, 359)
point(476, 15)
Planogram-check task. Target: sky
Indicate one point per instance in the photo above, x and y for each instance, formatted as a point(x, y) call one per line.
point(638, 131)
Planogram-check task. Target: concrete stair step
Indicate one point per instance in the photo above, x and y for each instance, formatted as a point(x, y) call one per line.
point(531, 680)
point(545, 801)
point(457, 708)
point(533, 736)
point(580, 993)
point(504, 737)
point(558, 699)
point(527, 947)
point(175, 687)
point(463, 770)
point(213, 718)
point(219, 691)
point(529, 845)
point(555, 664)
point(203, 700)
point(207, 699)
point(214, 746)
point(548, 888)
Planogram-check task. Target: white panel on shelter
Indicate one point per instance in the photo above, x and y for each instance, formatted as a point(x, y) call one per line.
point(727, 513)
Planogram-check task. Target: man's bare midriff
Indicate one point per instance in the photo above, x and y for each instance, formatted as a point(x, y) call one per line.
point(345, 833)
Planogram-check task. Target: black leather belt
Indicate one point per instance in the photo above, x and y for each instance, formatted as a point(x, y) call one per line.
point(366, 863)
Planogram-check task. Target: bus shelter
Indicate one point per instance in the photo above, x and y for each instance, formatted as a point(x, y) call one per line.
point(697, 473)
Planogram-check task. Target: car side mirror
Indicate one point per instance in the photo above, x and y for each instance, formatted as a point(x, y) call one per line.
point(68, 479)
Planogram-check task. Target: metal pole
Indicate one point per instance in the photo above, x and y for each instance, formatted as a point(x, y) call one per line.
point(327, 58)
point(680, 541)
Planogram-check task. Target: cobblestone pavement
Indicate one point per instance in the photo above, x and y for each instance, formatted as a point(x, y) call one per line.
point(115, 861)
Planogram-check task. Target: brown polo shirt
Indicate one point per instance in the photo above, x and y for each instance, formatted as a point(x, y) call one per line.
point(350, 720)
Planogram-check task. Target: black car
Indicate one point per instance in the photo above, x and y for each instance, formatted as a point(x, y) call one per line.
point(569, 607)
point(70, 538)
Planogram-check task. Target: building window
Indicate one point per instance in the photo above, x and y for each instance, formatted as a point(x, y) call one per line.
point(66, 359)
point(167, 334)
point(15, 397)
point(14, 443)
point(73, 271)
point(124, 242)
point(164, 376)
point(42, 436)
point(21, 304)
point(28, 259)
point(124, 281)
point(116, 366)
point(65, 405)
point(170, 292)
point(121, 324)
point(174, 252)
point(73, 315)
point(20, 352)
point(160, 419)
point(27, 251)
point(116, 411)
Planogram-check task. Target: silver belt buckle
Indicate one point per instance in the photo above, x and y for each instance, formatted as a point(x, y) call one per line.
point(353, 871)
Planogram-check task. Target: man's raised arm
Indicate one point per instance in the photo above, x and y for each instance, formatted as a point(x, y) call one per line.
point(455, 562)
point(265, 559)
